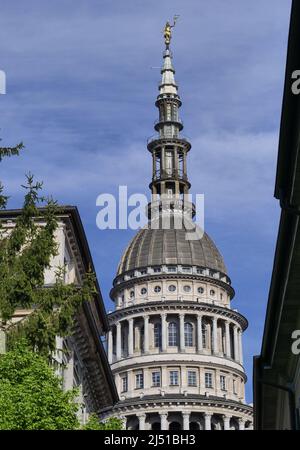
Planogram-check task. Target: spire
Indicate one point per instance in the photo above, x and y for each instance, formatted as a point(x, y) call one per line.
point(168, 84)
point(168, 148)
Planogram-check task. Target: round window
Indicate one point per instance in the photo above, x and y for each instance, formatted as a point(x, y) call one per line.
point(131, 294)
point(200, 290)
point(143, 291)
point(187, 288)
point(172, 288)
point(212, 292)
point(157, 289)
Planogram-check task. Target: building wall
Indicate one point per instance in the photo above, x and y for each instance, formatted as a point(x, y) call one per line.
point(73, 352)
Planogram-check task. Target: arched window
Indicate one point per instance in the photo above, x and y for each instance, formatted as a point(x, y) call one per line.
point(204, 335)
point(188, 334)
point(142, 338)
point(157, 335)
point(232, 349)
point(174, 112)
point(222, 339)
point(173, 334)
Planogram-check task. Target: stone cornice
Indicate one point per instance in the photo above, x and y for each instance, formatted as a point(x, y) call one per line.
point(171, 306)
point(94, 363)
point(148, 402)
point(167, 276)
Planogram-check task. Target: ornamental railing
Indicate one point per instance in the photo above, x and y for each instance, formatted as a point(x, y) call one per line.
point(169, 173)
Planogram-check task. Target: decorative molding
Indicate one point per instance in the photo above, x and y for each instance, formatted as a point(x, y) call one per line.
point(177, 306)
point(127, 284)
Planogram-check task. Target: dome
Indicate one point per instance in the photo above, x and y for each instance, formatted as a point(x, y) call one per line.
point(154, 247)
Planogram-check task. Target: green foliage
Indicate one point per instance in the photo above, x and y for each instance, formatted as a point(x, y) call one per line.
point(25, 253)
point(113, 423)
point(10, 151)
point(7, 151)
point(31, 397)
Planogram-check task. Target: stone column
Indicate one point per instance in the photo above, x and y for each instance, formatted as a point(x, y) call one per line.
point(164, 379)
point(207, 420)
point(2, 341)
point(227, 338)
point(236, 343)
point(119, 344)
point(241, 424)
point(130, 337)
point(162, 161)
point(186, 420)
point(124, 421)
point(240, 346)
point(163, 332)
point(184, 163)
point(154, 164)
point(68, 374)
point(146, 334)
point(181, 332)
point(199, 333)
point(164, 421)
point(109, 346)
point(176, 161)
point(215, 335)
point(142, 421)
point(118, 382)
point(119, 302)
point(226, 421)
point(130, 380)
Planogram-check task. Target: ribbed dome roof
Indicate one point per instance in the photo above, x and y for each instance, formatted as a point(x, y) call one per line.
point(154, 247)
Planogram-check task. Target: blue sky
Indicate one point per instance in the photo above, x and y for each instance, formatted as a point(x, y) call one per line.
point(80, 95)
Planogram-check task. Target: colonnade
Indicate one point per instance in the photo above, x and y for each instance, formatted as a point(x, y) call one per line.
point(233, 339)
point(185, 421)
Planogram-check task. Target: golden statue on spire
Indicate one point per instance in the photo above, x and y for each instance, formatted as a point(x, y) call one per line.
point(168, 31)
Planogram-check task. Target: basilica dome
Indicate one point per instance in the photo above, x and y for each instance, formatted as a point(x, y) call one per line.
point(155, 247)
